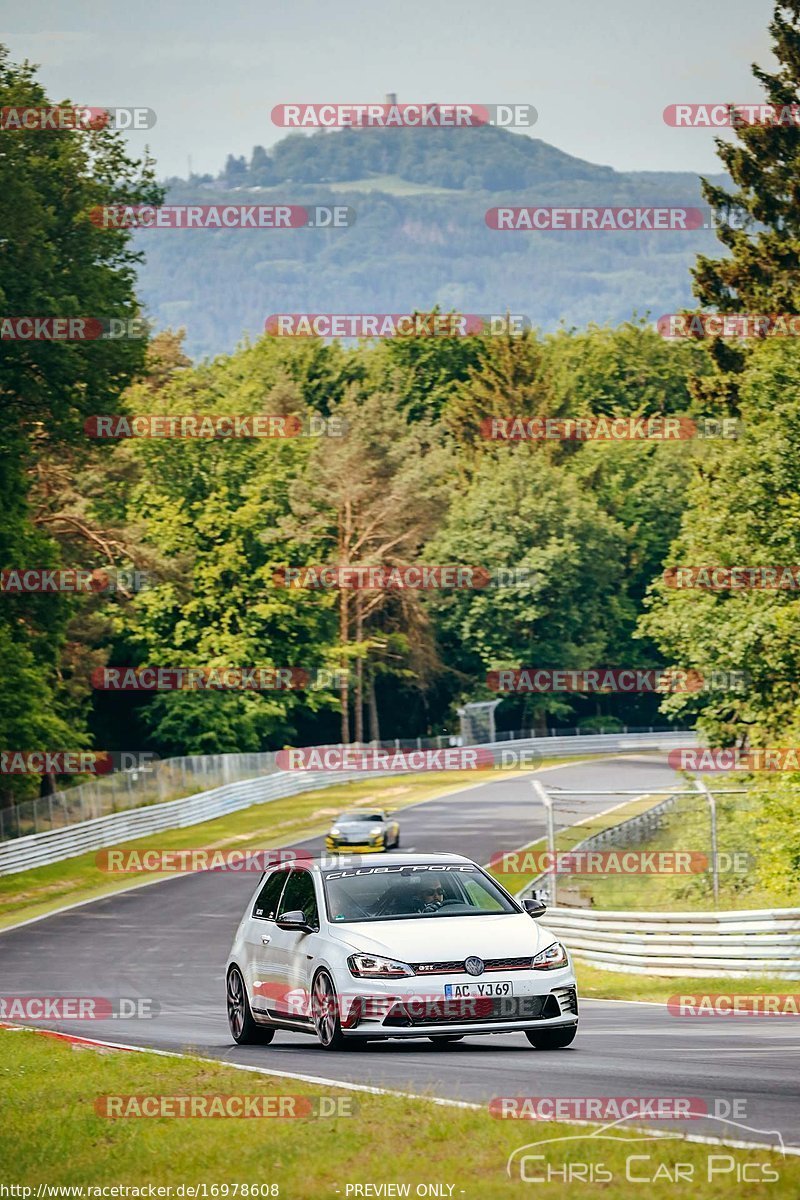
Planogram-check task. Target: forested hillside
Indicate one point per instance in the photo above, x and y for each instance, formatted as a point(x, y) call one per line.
point(420, 199)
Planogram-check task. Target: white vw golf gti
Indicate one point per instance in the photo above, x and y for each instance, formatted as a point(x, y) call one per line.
point(405, 946)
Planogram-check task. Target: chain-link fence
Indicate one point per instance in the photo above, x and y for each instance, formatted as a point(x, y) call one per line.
point(694, 845)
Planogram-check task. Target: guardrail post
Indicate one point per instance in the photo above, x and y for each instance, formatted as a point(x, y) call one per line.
point(704, 790)
point(552, 874)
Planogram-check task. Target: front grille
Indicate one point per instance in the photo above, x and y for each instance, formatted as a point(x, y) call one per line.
point(408, 1013)
point(567, 999)
point(456, 966)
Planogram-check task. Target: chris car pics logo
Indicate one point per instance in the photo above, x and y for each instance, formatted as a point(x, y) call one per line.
point(579, 1158)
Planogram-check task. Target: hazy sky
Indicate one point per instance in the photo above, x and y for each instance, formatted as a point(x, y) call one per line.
point(600, 72)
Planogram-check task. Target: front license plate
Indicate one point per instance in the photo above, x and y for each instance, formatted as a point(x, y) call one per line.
point(464, 991)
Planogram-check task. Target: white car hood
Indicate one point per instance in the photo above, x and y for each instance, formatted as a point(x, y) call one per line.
point(439, 939)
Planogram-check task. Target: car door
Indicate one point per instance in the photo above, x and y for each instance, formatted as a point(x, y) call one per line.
point(291, 951)
point(259, 937)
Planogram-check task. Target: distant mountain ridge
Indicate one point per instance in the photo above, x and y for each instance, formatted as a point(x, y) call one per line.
point(479, 159)
point(420, 237)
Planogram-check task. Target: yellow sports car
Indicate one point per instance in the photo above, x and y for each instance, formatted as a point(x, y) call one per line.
point(363, 830)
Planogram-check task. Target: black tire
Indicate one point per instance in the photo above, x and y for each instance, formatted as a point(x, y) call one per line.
point(325, 1012)
point(445, 1039)
point(551, 1039)
point(244, 1030)
point(396, 841)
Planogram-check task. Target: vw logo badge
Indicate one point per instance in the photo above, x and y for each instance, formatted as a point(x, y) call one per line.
point(474, 965)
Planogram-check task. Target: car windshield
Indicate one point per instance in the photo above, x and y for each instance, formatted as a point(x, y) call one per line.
point(360, 816)
point(412, 892)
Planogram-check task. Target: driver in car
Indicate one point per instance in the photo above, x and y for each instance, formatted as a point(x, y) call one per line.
point(424, 896)
point(432, 895)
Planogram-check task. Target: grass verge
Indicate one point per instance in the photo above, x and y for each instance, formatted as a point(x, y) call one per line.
point(598, 984)
point(51, 1133)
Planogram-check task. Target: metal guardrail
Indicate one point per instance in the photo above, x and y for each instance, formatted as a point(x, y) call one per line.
point(683, 944)
point(172, 778)
point(38, 849)
point(55, 845)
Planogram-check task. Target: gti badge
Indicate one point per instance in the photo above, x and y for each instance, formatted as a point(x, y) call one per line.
point(474, 965)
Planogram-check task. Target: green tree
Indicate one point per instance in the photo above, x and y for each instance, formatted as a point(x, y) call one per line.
point(505, 381)
point(743, 510)
point(523, 511)
point(427, 370)
point(213, 511)
point(54, 262)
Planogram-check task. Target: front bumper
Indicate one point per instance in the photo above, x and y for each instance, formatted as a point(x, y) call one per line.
point(339, 847)
point(414, 1007)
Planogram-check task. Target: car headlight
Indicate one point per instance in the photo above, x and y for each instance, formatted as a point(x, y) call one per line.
point(335, 832)
point(553, 956)
point(372, 966)
point(376, 837)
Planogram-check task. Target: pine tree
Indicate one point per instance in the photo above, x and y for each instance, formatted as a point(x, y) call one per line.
point(759, 223)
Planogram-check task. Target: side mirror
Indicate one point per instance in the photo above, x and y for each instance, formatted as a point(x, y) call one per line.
point(534, 908)
point(296, 919)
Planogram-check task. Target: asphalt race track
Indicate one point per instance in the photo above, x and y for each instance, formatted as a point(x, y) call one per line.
point(169, 941)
